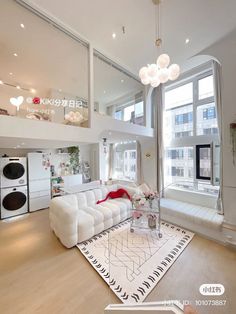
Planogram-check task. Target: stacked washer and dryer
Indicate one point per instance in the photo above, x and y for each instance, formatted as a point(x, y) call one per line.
point(13, 186)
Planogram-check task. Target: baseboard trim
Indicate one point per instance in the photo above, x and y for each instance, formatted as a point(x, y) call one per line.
point(229, 226)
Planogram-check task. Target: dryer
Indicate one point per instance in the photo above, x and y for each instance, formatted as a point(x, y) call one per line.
point(13, 171)
point(14, 201)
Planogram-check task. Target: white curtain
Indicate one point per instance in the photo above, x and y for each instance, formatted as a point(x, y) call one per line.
point(111, 161)
point(159, 139)
point(218, 102)
point(139, 170)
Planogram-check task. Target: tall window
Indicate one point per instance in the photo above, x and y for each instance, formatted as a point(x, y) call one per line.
point(189, 122)
point(124, 163)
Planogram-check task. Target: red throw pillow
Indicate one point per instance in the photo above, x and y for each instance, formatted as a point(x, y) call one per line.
point(115, 194)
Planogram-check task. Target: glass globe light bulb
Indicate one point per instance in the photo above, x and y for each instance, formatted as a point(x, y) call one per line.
point(152, 70)
point(174, 72)
point(163, 61)
point(143, 72)
point(155, 82)
point(163, 75)
point(145, 81)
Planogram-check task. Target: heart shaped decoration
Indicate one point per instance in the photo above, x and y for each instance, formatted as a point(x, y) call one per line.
point(17, 101)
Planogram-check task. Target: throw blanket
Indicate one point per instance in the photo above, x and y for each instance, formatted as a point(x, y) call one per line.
point(115, 194)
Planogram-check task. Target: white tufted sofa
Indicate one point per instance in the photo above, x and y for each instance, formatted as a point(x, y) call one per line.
point(75, 218)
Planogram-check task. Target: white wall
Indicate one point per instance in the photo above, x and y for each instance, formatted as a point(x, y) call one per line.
point(85, 150)
point(94, 162)
point(103, 163)
point(149, 163)
point(225, 52)
point(15, 152)
point(56, 159)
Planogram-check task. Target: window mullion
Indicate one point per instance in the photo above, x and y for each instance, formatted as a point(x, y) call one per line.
point(195, 101)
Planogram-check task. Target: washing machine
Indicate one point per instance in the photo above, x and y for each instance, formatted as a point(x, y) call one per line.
point(14, 201)
point(13, 171)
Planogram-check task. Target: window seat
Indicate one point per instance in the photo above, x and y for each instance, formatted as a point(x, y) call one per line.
point(190, 213)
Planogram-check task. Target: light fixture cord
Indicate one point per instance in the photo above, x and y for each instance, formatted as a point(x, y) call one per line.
point(158, 25)
point(159, 19)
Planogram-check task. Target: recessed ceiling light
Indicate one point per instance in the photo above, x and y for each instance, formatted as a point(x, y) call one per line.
point(10, 73)
point(22, 25)
point(187, 40)
point(18, 87)
point(114, 35)
point(15, 54)
point(1, 82)
point(33, 90)
point(122, 81)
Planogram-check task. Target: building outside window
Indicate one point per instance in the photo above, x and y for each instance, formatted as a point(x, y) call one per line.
point(118, 115)
point(189, 120)
point(177, 171)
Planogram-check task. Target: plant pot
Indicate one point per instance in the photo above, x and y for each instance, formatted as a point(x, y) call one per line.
point(152, 222)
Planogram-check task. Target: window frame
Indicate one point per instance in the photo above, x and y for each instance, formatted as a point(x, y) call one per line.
point(194, 140)
point(198, 149)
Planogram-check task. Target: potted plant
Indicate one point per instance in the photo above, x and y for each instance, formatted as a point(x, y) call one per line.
point(150, 196)
point(74, 158)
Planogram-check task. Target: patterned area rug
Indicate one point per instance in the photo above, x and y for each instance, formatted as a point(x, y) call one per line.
point(133, 263)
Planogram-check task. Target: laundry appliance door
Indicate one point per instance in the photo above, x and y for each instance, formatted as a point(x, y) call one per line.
point(13, 173)
point(13, 202)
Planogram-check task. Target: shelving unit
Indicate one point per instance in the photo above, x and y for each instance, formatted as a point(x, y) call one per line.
point(86, 172)
point(57, 185)
point(146, 218)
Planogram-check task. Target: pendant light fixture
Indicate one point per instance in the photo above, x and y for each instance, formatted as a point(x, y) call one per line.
point(159, 72)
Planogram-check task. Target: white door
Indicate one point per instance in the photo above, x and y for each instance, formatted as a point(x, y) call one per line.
point(38, 166)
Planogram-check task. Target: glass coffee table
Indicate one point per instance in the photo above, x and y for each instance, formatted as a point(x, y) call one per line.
point(146, 217)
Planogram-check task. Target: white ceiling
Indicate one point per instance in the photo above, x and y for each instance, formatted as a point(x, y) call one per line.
point(30, 143)
point(203, 21)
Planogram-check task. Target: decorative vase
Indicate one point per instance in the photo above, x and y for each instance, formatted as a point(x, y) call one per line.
point(150, 203)
point(152, 222)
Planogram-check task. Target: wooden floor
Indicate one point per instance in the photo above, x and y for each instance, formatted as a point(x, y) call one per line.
point(38, 275)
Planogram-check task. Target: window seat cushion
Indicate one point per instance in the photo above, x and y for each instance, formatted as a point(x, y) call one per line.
point(196, 214)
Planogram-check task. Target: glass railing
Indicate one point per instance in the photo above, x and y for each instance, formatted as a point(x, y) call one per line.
point(117, 93)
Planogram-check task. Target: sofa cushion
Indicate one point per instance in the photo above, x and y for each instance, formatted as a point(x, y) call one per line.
point(98, 194)
point(104, 192)
point(82, 200)
point(114, 210)
point(112, 187)
point(122, 208)
point(107, 214)
point(90, 197)
point(85, 226)
point(97, 215)
point(126, 201)
point(191, 212)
